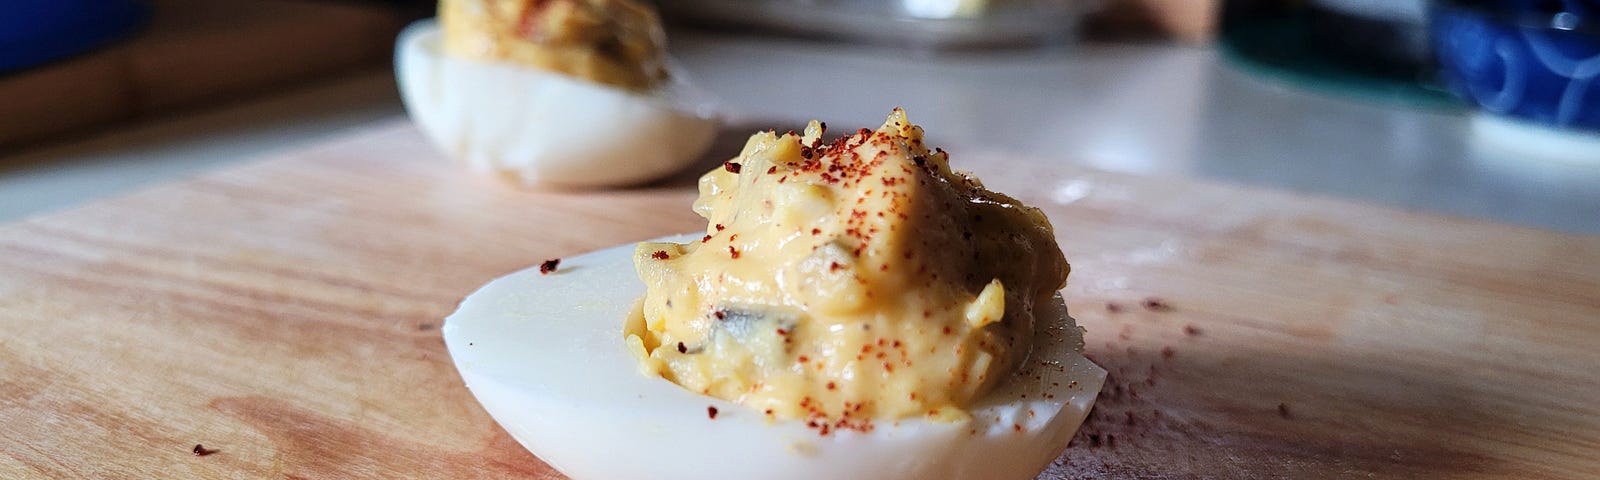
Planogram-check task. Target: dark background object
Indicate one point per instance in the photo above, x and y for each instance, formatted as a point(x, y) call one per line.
point(1367, 40)
point(34, 32)
point(1318, 49)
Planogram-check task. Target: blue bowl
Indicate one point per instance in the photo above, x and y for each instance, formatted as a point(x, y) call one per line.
point(1535, 61)
point(38, 31)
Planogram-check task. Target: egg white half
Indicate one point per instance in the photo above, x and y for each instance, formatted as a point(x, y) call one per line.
point(545, 356)
point(542, 128)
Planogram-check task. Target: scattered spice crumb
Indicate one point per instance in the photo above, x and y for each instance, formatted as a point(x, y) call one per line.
point(1283, 410)
point(683, 348)
point(659, 255)
point(201, 450)
point(733, 252)
point(549, 266)
point(1156, 305)
point(712, 411)
point(731, 167)
point(1191, 330)
point(1113, 307)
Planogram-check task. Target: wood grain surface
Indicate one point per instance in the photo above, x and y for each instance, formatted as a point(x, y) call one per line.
point(286, 314)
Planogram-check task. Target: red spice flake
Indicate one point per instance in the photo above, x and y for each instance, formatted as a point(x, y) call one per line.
point(683, 348)
point(733, 252)
point(731, 167)
point(1166, 352)
point(946, 330)
point(719, 314)
point(659, 255)
point(733, 237)
point(772, 169)
point(832, 386)
point(1113, 307)
point(834, 266)
point(711, 412)
point(1156, 305)
point(201, 450)
point(720, 227)
point(1283, 410)
point(864, 131)
point(804, 359)
point(807, 152)
point(782, 332)
point(769, 411)
point(816, 231)
point(1191, 330)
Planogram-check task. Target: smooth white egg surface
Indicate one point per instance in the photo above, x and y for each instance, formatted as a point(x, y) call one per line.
point(545, 355)
point(540, 128)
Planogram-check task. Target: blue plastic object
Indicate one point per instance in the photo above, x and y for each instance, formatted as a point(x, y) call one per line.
point(1538, 61)
point(33, 32)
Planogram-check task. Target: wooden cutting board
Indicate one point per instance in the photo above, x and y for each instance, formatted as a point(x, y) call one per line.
point(286, 315)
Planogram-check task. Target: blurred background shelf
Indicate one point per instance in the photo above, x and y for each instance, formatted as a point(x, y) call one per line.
point(193, 53)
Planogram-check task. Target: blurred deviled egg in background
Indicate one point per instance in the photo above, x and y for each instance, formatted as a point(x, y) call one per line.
point(554, 93)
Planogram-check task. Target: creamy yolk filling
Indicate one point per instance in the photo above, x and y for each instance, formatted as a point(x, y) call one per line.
point(844, 282)
point(613, 42)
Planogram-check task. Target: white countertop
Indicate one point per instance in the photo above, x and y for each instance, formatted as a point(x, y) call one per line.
point(1147, 109)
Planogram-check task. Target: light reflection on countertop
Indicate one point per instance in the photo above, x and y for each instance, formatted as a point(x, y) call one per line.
point(1155, 110)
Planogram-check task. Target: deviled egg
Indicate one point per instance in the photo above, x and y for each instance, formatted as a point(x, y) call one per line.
point(854, 309)
point(566, 93)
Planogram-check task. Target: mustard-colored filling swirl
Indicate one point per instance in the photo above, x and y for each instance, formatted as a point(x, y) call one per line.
point(613, 42)
point(845, 282)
